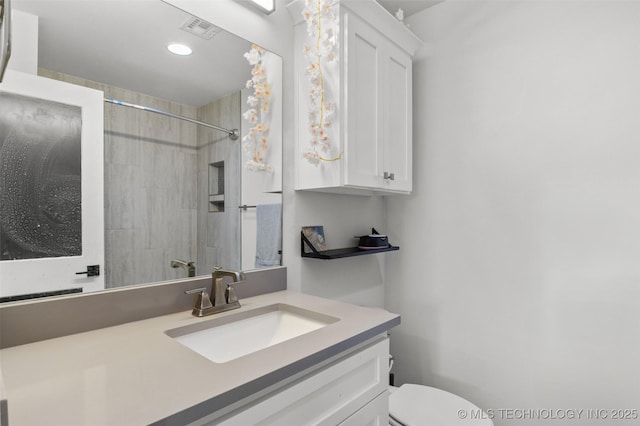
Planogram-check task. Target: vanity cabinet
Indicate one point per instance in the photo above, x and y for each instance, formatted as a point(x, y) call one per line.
point(375, 413)
point(371, 85)
point(332, 375)
point(351, 389)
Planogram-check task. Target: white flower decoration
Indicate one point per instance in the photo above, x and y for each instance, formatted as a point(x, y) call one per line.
point(255, 142)
point(321, 22)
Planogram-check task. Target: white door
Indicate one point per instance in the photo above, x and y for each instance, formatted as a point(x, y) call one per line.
point(48, 110)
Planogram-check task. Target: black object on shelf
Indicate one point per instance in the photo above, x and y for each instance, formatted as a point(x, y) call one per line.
point(338, 253)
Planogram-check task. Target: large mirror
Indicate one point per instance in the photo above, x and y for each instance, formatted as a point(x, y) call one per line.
point(180, 197)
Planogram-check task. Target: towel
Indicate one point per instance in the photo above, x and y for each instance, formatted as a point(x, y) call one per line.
point(268, 235)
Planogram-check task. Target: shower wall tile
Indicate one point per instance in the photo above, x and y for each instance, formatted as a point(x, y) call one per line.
point(121, 268)
point(149, 268)
point(141, 207)
point(187, 165)
point(118, 147)
point(121, 204)
point(221, 247)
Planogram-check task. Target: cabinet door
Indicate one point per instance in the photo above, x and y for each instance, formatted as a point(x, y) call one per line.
point(363, 130)
point(378, 145)
point(397, 146)
point(375, 413)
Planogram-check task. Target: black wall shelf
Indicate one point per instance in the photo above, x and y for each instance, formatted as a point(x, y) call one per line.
point(338, 253)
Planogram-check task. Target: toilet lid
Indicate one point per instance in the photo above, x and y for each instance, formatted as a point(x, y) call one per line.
point(417, 405)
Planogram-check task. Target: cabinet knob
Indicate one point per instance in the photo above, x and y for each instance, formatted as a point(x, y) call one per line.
point(389, 176)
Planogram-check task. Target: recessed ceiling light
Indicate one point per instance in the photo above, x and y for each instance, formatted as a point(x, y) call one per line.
point(179, 49)
point(264, 6)
point(267, 6)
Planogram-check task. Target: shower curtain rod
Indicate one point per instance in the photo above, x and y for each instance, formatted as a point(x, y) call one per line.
point(233, 134)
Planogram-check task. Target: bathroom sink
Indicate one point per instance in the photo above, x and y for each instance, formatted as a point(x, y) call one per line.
point(226, 338)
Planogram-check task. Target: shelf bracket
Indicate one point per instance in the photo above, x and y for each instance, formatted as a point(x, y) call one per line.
point(304, 241)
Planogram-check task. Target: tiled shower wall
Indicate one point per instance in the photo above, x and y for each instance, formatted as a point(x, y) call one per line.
point(152, 176)
point(219, 232)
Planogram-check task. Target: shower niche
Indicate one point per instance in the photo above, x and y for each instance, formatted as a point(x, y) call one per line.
point(216, 187)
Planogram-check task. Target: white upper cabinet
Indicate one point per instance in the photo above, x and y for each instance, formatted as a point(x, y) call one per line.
point(378, 110)
point(368, 133)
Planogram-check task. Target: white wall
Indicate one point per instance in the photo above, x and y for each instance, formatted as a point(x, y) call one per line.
point(519, 276)
point(24, 42)
point(358, 280)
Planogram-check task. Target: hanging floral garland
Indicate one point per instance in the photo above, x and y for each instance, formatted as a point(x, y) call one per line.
point(255, 142)
point(322, 31)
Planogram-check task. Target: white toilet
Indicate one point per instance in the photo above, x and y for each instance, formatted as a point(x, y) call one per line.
point(417, 405)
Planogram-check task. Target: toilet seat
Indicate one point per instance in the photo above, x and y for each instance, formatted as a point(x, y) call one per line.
point(417, 405)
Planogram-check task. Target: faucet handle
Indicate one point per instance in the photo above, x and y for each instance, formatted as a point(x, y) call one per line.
point(230, 294)
point(202, 301)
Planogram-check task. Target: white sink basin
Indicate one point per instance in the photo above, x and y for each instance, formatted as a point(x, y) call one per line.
point(230, 337)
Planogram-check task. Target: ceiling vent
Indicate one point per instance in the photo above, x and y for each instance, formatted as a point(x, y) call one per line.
point(200, 27)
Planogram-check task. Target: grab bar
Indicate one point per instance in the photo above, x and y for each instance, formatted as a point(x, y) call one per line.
point(5, 36)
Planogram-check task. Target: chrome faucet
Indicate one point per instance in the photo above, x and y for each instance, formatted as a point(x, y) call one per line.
point(224, 295)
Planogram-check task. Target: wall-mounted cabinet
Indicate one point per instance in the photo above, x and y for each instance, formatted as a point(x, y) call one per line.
point(370, 83)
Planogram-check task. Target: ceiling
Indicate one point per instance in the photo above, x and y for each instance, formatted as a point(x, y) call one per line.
point(409, 7)
point(123, 44)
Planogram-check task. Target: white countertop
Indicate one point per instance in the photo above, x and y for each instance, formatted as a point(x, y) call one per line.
point(134, 374)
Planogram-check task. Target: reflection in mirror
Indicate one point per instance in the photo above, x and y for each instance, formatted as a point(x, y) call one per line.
point(175, 193)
